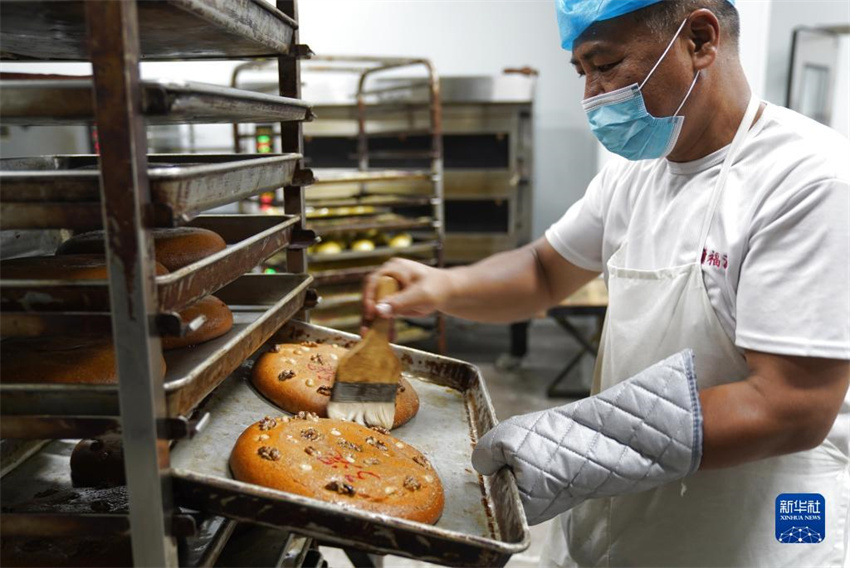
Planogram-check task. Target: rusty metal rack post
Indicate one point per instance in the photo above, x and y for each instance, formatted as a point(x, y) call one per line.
point(369, 102)
point(135, 193)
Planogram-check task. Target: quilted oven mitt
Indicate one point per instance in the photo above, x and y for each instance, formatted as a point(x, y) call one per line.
point(641, 433)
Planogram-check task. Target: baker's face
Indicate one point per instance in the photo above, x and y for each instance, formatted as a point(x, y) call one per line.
point(616, 53)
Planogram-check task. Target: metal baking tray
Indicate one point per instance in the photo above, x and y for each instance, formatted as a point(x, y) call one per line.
point(482, 524)
point(169, 29)
point(359, 225)
point(51, 102)
point(251, 239)
point(329, 176)
point(63, 191)
point(379, 252)
point(261, 304)
point(39, 502)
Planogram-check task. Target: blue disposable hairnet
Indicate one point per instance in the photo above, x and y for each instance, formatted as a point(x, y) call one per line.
point(575, 16)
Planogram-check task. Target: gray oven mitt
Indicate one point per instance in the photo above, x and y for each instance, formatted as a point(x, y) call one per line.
point(641, 433)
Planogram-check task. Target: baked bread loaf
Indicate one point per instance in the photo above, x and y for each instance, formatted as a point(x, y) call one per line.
point(54, 359)
point(340, 462)
point(98, 463)
point(219, 321)
point(174, 248)
point(300, 376)
point(67, 267)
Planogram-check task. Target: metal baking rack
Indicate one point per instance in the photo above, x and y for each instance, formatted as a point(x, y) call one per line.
point(167, 30)
point(64, 191)
point(250, 238)
point(411, 190)
point(126, 191)
point(482, 523)
point(260, 305)
point(49, 102)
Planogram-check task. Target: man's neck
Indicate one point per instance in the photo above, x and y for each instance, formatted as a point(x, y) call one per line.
point(715, 116)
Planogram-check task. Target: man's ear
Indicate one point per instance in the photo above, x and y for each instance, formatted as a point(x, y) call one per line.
point(703, 35)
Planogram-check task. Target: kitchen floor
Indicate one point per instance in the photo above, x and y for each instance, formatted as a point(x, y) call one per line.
point(514, 391)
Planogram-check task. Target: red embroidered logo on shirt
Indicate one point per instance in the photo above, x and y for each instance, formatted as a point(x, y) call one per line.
point(716, 259)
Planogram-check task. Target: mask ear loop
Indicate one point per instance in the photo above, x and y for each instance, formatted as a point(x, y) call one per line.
point(663, 55)
point(687, 95)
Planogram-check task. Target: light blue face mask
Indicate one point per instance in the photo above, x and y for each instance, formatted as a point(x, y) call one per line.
point(620, 121)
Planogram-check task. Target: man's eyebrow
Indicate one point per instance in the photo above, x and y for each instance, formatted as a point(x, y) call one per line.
point(592, 51)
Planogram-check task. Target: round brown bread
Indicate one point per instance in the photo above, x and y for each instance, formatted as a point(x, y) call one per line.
point(98, 463)
point(173, 247)
point(69, 267)
point(79, 359)
point(340, 462)
point(219, 321)
point(300, 376)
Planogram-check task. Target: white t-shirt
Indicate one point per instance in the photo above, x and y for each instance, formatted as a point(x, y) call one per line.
point(777, 258)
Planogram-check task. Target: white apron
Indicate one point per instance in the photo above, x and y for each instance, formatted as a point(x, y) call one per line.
point(713, 518)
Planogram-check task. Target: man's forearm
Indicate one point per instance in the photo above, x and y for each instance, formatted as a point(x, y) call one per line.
point(787, 405)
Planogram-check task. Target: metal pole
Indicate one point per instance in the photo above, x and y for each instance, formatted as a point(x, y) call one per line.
point(291, 140)
point(113, 41)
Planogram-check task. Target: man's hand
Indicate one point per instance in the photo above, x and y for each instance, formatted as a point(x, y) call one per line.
point(507, 287)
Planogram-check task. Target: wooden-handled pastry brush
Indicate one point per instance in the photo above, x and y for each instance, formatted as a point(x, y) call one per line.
point(367, 376)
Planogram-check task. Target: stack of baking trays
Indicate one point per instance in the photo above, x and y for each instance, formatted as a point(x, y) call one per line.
point(178, 503)
point(370, 201)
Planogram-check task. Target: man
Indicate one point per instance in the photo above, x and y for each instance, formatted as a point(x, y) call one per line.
point(724, 229)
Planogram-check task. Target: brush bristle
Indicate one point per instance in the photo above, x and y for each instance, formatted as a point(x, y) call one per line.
point(366, 413)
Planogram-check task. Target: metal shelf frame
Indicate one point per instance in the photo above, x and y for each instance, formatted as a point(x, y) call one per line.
point(114, 36)
point(373, 100)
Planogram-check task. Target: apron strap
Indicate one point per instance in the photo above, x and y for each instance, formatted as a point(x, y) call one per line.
point(734, 148)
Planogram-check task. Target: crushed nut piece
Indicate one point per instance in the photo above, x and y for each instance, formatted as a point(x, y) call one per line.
point(306, 467)
point(324, 390)
point(310, 383)
point(334, 356)
point(302, 415)
point(317, 359)
point(429, 478)
point(377, 443)
point(399, 445)
point(390, 490)
point(371, 461)
point(309, 344)
point(422, 461)
point(341, 488)
point(310, 434)
point(350, 445)
point(267, 423)
point(297, 351)
point(349, 458)
point(380, 430)
point(286, 375)
point(291, 361)
point(335, 432)
point(262, 437)
point(284, 419)
point(267, 453)
point(411, 484)
point(400, 388)
point(274, 349)
point(311, 451)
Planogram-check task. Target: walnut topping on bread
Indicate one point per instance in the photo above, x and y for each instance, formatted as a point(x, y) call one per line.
point(341, 488)
point(286, 375)
point(371, 461)
point(317, 359)
point(309, 344)
point(350, 445)
point(311, 451)
point(324, 390)
point(307, 416)
point(422, 461)
point(274, 349)
point(411, 484)
point(377, 443)
point(267, 423)
point(380, 430)
point(267, 453)
point(310, 434)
